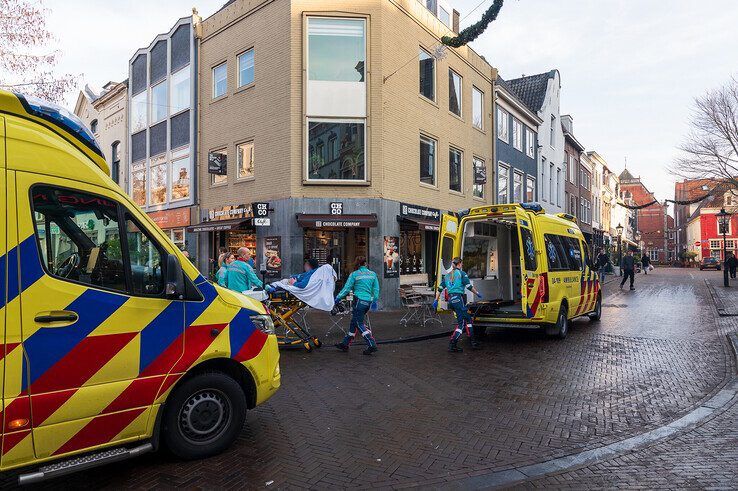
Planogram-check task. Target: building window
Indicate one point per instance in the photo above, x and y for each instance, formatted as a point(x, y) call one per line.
point(573, 205)
point(138, 186)
point(158, 187)
point(551, 139)
point(115, 161)
point(543, 178)
point(454, 92)
point(427, 160)
point(179, 97)
point(517, 187)
point(179, 130)
point(158, 61)
point(558, 187)
point(502, 125)
point(336, 49)
point(138, 74)
point(517, 134)
point(477, 108)
point(245, 160)
point(139, 119)
point(93, 126)
point(181, 179)
point(455, 166)
point(220, 80)
point(158, 102)
point(246, 68)
point(427, 66)
point(348, 163)
point(530, 190)
point(431, 5)
point(585, 179)
point(222, 156)
point(138, 146)
point(444, 16)
point(551, 195)
point(479, 170)
point(180, 47)
point(530, 144)
point(503, 177)
point(158, 139)
point(653, 254)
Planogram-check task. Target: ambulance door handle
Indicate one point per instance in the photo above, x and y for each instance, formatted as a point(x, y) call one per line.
point(65, 316)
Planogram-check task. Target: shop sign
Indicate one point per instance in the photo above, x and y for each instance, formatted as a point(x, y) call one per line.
point(262, 222)
point(328, 221)
point(229, 212)
point(391, 257)
point(176, 218)
point(260, 209)
point(419, 212)
point(218, 163)
point(336, 208)
point(273, 256)
point(480, 174)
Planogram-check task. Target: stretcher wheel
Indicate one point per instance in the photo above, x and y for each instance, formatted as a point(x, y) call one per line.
point(307, 346)
point(317, 342)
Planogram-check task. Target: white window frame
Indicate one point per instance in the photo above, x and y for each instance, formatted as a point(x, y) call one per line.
point(530, 180)
point(502, 169)
point(480, 108)
point(184, 70)
point(503, 125)
point(306, 150)
point(530, 143)
point(215, 177)
point(653, 254)
point(225, 91)
point(435, 160)
point(238, 66)
point(518, 175)
point(517, 134)
point(451, 73)
point(551, 136)
point(153, 107)
point(239, 177)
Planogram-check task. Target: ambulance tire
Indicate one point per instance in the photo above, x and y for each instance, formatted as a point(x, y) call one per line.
point(203, 416)
point(596, 314)
point(560, 329)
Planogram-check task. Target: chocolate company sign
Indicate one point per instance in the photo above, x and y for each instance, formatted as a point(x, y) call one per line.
point(419, 212)
point(229, 212)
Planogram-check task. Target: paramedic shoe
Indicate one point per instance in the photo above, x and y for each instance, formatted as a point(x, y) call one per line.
point(369, 350)
point(452, 348)
point(342, 347)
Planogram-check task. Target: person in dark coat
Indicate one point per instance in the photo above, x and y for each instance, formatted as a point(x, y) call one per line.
point(645, 263)
point(732, 264)
point(601, 264)
point(628, 268)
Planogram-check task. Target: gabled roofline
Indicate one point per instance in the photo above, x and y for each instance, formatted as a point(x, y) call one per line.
point(513, 100)
point(574, 141)
point(159, 37)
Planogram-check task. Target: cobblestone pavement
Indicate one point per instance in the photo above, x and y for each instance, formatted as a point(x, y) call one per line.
point(414, 415)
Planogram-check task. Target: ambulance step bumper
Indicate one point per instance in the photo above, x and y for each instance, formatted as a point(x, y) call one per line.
point(84, 462)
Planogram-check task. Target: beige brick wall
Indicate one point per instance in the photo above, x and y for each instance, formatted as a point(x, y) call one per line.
point(272, 111)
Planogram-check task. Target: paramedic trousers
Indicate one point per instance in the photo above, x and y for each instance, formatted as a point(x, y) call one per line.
point(457, 303)
point(357, 322)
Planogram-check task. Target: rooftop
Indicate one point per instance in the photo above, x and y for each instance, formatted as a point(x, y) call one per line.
point(532, 89)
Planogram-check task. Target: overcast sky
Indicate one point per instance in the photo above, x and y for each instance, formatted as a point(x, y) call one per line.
point(630, 69)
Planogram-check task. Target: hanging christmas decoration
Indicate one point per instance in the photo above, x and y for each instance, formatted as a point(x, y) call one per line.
point(475, 30)
point(675, 201)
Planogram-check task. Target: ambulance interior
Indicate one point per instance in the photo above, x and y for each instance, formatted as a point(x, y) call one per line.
point(491, 254)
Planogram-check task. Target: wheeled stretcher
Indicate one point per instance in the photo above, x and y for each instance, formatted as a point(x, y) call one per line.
point(289, 321)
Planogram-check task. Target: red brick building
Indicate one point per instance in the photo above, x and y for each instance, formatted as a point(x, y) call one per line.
point(687, 190)
point(702, 234)
point(653, 222)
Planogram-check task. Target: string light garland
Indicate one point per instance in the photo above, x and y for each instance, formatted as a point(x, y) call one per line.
point(475, 30)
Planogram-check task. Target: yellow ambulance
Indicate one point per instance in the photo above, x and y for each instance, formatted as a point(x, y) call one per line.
point(112, 342)
point(531, 268)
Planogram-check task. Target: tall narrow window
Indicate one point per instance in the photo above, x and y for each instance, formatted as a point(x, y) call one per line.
point(246, 68)
point(454, 92)
point(220, 80)
point(93, 126)
point(427, 67)
point(336, 49)
point(480, 178)
point(558, 187)
point(530, 190)
point(503, 177)
point(115, 161)
point(427, 160)
point(502, 125)
point(530, 143)
point(455, 158)
point(139, 106)
point(551, 140)
point(159, 102)
point(179, 96)
point(517, 135)
point(551, 193)
point(477, 108)
point(517, 187)
point(245, 160)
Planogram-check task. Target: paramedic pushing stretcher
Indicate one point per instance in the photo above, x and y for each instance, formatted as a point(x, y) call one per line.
point(365, 285)
point(456, 282)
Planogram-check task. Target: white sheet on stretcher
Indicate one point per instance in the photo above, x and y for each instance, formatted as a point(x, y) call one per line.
point(319, 291)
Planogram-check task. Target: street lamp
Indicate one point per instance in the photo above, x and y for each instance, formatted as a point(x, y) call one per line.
point(619, 230)
point(723, 221)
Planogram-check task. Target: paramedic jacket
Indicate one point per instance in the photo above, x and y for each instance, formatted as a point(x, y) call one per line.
point(364, 284)
point(455, 281)
point(241, 276)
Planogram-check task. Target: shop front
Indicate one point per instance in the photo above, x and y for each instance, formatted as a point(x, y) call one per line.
point(174, 223)
point(419, 226)
point(227, 229)
point(336, 239)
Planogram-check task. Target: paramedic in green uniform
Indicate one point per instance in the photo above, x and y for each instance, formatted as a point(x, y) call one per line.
point(241, 275)
point(365, 285)
point(456, 282)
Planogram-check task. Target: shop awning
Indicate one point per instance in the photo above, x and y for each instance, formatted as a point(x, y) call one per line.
point(431, 225)
point(220, 225)
point(307, 220)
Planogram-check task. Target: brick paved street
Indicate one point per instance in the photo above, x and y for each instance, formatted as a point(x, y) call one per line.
point(415, 415)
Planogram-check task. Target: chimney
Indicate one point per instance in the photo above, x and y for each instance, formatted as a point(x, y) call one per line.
point(568, 123)
point(455, 22)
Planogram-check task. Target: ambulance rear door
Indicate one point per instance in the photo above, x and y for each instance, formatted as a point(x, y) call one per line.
point(530, 282)
point(449, 246)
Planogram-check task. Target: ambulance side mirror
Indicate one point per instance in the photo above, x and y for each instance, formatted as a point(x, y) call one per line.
point(174, 278)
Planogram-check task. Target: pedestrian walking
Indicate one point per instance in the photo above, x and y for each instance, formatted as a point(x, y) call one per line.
point(221, 276)
point(365, 285)
point(645, 263)
point(732, 264)
point(628, 269)
point(601, 264)
point(241, 275)
point(456, 282)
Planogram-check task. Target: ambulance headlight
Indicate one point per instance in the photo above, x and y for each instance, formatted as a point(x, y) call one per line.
point(263, 323)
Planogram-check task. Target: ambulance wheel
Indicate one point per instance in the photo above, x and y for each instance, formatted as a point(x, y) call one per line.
point(596, 314)
point(203, 416)
point(561, 328)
